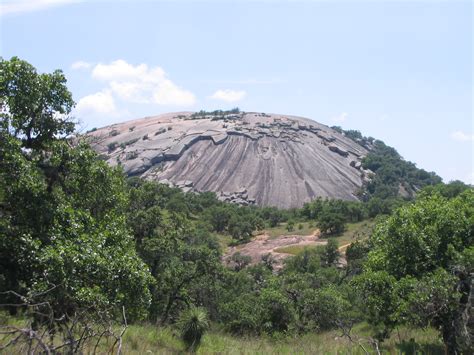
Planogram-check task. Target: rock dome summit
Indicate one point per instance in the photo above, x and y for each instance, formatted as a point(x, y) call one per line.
point(244, 157)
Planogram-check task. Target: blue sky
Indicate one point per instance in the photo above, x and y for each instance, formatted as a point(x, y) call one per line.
point(399, 71)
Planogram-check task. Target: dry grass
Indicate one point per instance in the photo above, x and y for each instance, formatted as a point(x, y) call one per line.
point(147, 339)
point(151, 339)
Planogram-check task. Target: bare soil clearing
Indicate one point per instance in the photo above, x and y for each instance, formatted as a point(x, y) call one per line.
point(281, 246)
point(264, 244)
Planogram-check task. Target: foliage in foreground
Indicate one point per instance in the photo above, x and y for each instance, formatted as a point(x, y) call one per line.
point(64, 242)
point(420, 269)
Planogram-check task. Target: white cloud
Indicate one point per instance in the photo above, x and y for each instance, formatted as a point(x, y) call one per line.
point(168, 93)
point(141, 84)
point(119, 70)
point(250, 81)
point(340, 118)
point(80, 64)
point(101, 102)
point(228, 95)
point(18, 6)
point(461, 136)
point(129, 91)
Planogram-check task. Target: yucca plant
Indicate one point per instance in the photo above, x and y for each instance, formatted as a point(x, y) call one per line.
point(193, 323)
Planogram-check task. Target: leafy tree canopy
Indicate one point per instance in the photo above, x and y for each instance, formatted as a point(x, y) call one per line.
point(61, 208)
point(420, 268)
point(34, 106)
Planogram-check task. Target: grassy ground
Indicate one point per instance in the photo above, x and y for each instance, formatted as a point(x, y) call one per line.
point(354, 231)
point(425, 342)
point(150, 339)
point(224, 240)
point(303, 228)
point(294, 249)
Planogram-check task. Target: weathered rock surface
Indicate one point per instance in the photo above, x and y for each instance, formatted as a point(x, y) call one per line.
point(246, 158)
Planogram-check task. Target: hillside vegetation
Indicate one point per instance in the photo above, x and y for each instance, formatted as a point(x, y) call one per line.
point(90, 260)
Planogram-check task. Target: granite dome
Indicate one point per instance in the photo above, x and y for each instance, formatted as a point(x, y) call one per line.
point(246, 158)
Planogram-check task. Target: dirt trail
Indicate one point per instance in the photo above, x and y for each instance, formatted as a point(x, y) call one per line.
point(264, 244)
point(343, 248)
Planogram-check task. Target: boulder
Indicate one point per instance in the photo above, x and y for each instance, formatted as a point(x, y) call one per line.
point(338, 150)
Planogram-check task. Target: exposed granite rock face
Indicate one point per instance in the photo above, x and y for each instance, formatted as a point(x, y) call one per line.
point(247, 158)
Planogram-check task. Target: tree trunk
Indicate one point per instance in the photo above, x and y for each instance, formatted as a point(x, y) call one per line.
point(449, 339)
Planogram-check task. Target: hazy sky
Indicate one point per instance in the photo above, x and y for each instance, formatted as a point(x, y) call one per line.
point(399, 71)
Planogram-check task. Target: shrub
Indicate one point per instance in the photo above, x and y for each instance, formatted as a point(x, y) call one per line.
point(240, 261)
point(112, 146)
point(290, 226)
point(131, 155)
point(192, 325)
point(130, 142)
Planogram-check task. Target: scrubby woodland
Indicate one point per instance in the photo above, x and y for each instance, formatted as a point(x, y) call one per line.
point(87, 254)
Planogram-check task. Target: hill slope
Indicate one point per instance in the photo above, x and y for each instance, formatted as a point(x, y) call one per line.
point(266, 159)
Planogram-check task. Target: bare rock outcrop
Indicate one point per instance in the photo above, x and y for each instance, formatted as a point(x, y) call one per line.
point(246, 158)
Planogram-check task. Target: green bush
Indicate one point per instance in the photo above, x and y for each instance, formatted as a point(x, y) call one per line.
point(192, 324)
point(131, 155)
point(290, 226)
point(112, 146)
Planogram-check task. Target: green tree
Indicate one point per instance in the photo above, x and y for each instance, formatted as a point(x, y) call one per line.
point(58, 231)
point(68, 234)
point(181, 255)
point(331, 222)
point(34, 107)
point(422, 258)
point(356, 254)
point(272, 215)
point(240, 228)
point(241, 315)
point(276, 311)
point(219, 218)
point(450, 190)
point(323, 308)
point(378, 300)
point(330, 254)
